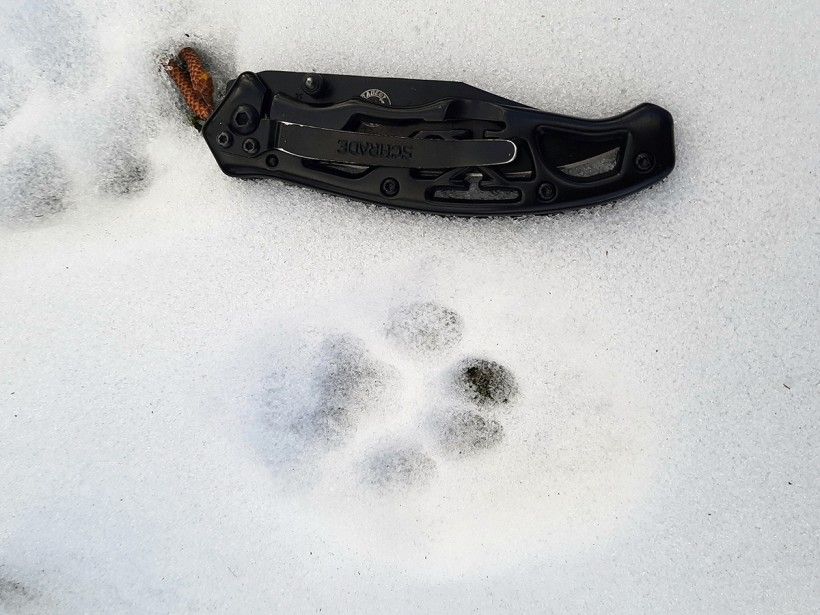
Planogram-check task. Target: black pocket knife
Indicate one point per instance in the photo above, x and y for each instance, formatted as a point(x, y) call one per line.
point(433, 146)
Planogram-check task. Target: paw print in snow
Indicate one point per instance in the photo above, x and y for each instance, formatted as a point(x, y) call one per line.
point(402, 442)
point(358, 401)
point(480, 388)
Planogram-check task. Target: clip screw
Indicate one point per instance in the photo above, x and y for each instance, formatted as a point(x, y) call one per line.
point(546, 191)
point(390, 187)
point(250, 145)
point(644, 162)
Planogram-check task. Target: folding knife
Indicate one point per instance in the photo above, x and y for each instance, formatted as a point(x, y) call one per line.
point(433, 146)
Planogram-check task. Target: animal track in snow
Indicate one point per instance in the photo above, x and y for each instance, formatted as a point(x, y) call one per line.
point(122, 172)
point(485, 382)
point(34, 187)
point(399, 468)
point(466, 432)
point(352, 393)
point(425, 327)
point(350, 382)
point(417, 437)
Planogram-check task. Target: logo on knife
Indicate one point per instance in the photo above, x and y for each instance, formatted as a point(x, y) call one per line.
point(375, 95)
point(373, 149)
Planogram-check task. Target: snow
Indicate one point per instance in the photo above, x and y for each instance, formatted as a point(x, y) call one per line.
point(225, 396)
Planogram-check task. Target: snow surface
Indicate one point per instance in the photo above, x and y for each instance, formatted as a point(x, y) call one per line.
point(224, 396)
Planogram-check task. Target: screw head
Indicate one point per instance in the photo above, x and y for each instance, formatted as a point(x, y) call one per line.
point(224, 139)
point(390, 187)
point(244, 120)
point(644, 162)
point(547, 191)
point(272, 161)
point(250, 145)
point(312, 84)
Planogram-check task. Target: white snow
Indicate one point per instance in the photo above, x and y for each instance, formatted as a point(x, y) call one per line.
point(225, 396)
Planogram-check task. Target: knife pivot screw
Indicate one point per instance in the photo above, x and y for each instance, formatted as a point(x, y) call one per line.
point(224, 139)
point(390, 187)
point(312, 84)
point(644, 162)
point(251, 146)
point(546, 191)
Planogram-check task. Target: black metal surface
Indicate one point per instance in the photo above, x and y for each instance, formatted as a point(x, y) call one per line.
point(434, 146)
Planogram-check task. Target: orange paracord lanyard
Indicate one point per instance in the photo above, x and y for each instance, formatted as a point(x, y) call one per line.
point(193, 82)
